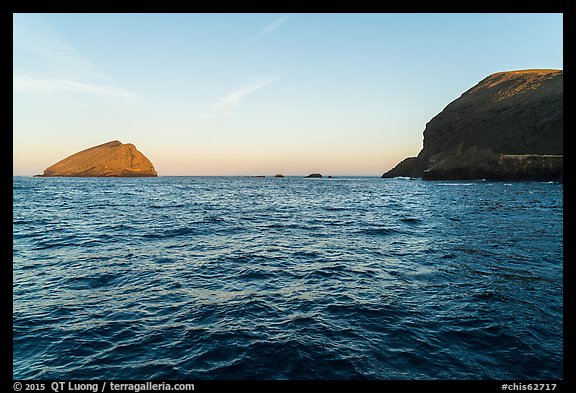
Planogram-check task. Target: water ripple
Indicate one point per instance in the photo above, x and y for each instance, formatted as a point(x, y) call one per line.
point(244, 278)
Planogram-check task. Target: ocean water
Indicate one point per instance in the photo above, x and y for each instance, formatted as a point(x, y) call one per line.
point(292, 278)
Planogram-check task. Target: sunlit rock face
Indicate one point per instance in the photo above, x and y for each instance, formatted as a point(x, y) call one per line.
point(509, 126)
point(112, 159)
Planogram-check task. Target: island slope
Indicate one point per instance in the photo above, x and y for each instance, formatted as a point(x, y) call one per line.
point(507, 127)
point(112, 159)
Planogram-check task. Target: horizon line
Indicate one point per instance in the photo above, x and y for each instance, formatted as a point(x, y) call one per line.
point(250, 176)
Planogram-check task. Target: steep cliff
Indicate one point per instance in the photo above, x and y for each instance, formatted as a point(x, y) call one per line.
point(508, 114)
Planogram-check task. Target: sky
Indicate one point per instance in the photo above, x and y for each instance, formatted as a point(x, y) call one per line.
point(256, 94)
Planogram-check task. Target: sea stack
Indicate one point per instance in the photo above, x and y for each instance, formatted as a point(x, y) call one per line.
point(507, 127)
point(112, 159)
point(314, 176)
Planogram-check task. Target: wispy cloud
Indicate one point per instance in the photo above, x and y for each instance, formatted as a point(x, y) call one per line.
point(267, 29)
point(226, 105)
point(46, 62)
point(270, 27)
point(33, 84)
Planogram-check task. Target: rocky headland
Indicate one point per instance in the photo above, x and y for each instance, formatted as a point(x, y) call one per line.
point(507, 127)
point(112, 159)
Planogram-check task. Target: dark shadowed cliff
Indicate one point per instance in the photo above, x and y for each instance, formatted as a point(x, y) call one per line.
point(112, 159)
point(509, 126)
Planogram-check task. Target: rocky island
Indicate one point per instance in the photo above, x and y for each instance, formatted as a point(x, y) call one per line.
point(507, 127)
point(112, 159)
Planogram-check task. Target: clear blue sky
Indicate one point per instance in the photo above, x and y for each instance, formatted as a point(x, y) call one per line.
point(256, 94)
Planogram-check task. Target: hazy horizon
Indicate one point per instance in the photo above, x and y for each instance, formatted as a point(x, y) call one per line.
point(265, 175)
point(256, 94)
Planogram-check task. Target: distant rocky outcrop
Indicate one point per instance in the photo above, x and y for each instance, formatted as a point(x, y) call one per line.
point(314, 175)
point(278, 175)
point(507, 127)
point(112, 159)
